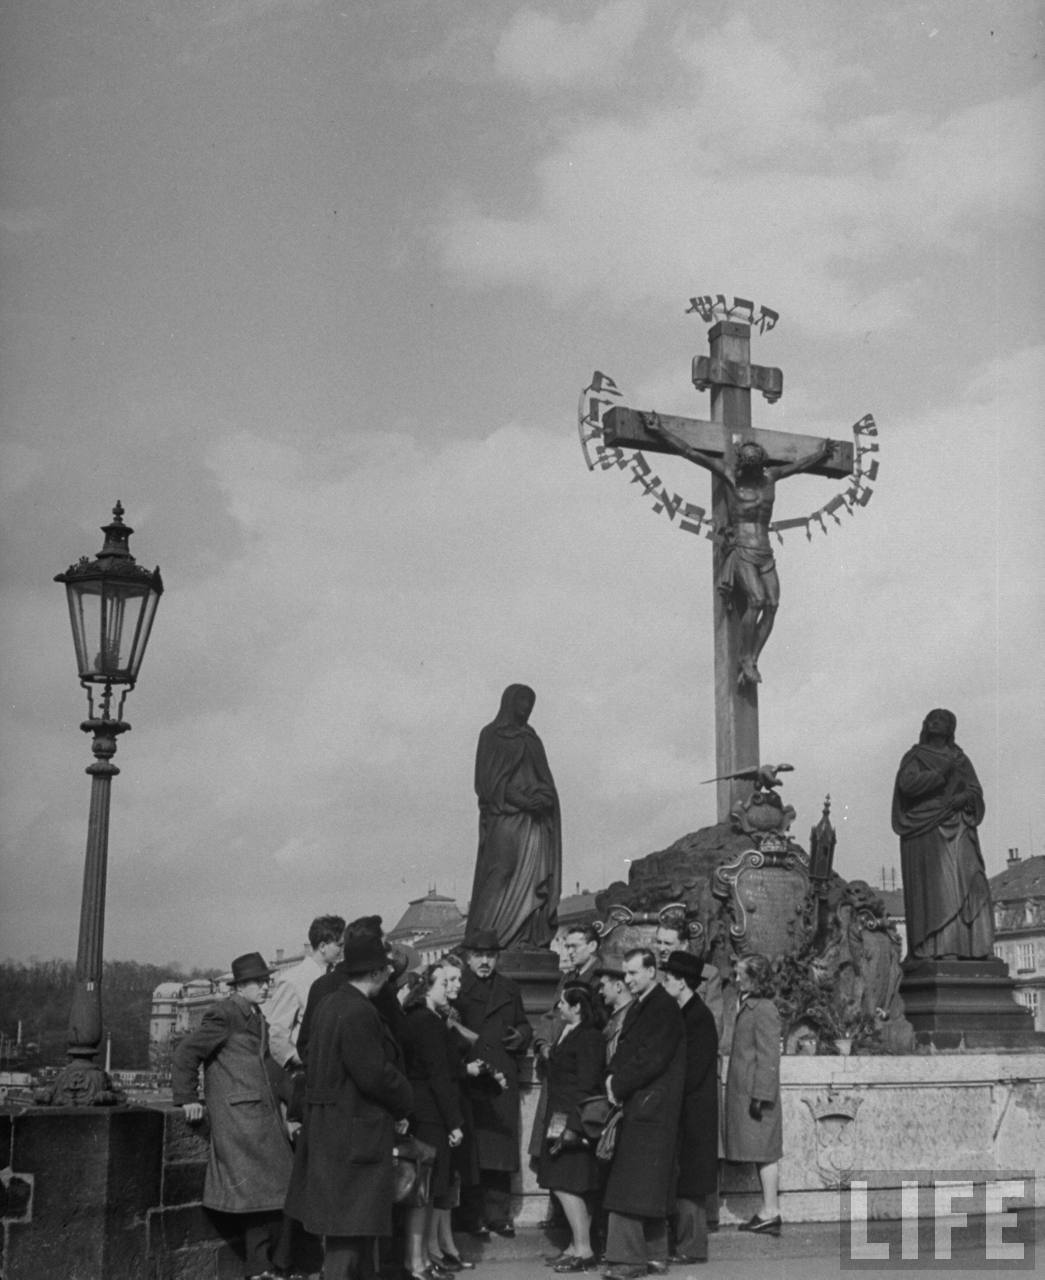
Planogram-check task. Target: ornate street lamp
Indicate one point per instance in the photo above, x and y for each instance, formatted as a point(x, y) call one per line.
point(112, 603)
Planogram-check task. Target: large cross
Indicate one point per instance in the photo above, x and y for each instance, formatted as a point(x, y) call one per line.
point(730, 376)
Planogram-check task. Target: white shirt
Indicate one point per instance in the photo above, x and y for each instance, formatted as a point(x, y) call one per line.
point(285, 1007)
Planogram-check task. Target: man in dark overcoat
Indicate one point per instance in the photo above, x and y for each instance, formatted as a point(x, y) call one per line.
point(250, 1156)
point(698, 1132)
point(491, 1018)
point(355, 1094)
point(647, 1075)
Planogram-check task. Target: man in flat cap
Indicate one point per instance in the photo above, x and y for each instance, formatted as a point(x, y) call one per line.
point(250, 1154)
point(491, 1019)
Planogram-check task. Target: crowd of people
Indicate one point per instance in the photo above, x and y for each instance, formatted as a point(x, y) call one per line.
point(313, 1084)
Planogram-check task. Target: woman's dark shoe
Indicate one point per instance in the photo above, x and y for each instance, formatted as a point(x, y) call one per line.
point(454, 1262)
point(504, 1229)
point(762, 1226)
point(573, 1263)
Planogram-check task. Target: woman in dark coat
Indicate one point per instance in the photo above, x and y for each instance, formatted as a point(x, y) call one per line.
point(250, 1157)
point(753, 1127)
point(431, 1068)
point(567, 1166)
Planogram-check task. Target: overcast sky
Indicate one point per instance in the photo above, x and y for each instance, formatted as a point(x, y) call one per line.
point(313, 287)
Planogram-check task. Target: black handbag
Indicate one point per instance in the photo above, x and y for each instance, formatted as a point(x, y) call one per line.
point(595, 1111)
point(412, 1162)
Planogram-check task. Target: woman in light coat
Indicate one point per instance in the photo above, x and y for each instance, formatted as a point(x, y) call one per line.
point(753, 1130)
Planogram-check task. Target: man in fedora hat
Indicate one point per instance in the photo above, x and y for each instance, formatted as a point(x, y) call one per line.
point(250, 1154)
point(356, 1096)
point(698, 1131)
point(384, 1000)
point(492, 1020)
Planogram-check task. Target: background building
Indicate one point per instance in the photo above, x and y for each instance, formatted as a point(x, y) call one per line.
point(1018, 894)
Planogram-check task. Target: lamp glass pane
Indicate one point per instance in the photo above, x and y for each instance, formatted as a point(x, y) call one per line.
point(111, 619)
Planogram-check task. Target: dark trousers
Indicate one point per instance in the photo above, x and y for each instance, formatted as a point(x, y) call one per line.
point(711, 1201)
point(253, 1235)
point(632, 1241)
point(489, 1200)
point(691, 1227)
point(349, 1257)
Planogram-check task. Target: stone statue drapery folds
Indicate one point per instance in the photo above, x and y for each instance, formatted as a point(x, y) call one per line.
point(518, 869)
point(937, 806)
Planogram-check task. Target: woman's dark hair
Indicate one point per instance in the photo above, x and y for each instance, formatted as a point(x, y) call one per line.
point(421, 983)
point(579, 997)
point(760, 971)
point(416, 990)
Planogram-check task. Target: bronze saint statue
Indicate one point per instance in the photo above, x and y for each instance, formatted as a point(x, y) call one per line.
point(748, 576)
point(937, 806)
point(518, 869)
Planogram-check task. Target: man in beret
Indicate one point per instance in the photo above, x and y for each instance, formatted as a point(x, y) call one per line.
point(490, 1017)
point(356, 1097)
point(250, 1154)
point(698, 1130)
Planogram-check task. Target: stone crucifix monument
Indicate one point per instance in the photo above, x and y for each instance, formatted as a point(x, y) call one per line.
point(745, 464)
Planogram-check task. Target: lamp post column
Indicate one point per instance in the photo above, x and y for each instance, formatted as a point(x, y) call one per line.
point(85, 1016)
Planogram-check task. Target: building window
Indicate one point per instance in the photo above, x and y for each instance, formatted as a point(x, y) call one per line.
point(1029, 998)
point(1025, 956)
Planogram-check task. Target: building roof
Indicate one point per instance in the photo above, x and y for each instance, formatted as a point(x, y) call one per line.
point(434, 913)
point(577, 908)
point(893, 900)
point(1022, 879)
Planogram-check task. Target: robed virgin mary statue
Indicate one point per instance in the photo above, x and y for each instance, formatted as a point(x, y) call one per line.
point(518, 869)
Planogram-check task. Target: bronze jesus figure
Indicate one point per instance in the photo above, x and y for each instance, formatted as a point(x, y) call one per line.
point(748, 577)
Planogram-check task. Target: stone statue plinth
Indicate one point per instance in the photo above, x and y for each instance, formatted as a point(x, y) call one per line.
point(537, 973)
point(967, 1004)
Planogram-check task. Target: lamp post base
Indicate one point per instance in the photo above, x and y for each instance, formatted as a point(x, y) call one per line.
point(81, 1083)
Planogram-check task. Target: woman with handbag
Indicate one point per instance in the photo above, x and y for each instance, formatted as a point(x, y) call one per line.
point(567, 1165)
point(437, 1118)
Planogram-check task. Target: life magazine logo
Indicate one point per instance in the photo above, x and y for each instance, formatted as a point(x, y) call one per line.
point(950, 1220)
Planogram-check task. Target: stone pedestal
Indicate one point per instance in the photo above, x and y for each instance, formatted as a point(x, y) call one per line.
point(94, 1175)
point(536, 972)
point(965, 1004)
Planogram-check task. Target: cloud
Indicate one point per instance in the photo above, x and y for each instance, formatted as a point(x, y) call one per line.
point(540, 51)
point(805, 195)
point(306, 719)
